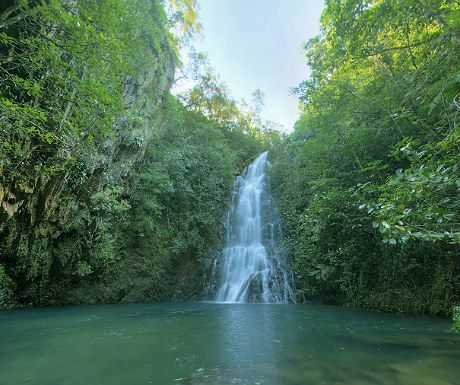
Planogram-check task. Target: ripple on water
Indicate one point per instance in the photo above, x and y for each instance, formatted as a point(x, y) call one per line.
point(205, 343)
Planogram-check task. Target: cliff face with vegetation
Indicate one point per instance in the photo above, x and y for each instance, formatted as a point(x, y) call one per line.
point(81, 89)
point(82, 86)
point(110, 189)
point(368, 183)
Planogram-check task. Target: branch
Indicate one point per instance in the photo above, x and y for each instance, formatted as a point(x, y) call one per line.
point(397, 48)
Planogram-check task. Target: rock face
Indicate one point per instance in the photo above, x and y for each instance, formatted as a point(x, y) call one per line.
point(143, 97)
point(50, 221)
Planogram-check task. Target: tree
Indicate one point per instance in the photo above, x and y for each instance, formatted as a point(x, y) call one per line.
point(370, 173)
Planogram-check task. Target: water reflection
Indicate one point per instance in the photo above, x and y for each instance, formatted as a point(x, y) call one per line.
point(219, 344)
point(249, 341)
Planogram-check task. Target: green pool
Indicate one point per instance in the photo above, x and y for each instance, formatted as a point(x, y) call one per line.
point(207, 343)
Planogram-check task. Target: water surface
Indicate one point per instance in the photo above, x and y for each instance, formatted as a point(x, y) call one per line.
point(207, 343)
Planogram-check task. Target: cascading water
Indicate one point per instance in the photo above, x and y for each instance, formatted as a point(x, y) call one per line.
point(253, 267)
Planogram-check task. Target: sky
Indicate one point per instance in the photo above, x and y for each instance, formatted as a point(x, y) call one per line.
point(257, 44)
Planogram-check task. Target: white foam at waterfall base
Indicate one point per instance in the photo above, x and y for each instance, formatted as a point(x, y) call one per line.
point(252, 270)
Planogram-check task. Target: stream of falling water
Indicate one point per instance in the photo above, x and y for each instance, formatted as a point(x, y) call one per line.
point(253, 266)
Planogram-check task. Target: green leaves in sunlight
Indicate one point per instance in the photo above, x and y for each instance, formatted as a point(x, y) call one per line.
point(369, 181)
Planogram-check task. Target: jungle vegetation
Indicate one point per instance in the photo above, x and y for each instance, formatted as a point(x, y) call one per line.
point(369, 181)
point(110, 189)
point(113, 189)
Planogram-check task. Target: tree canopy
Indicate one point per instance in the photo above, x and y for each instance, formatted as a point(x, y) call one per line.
point(372, 202)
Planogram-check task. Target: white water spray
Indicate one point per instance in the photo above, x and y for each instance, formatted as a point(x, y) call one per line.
point(253, 268)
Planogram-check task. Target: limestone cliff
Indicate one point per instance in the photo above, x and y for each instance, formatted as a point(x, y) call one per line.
point(59, 193)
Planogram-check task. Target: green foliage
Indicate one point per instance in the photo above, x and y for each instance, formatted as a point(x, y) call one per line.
point(456, 317)
point(184, 16)
point(240, 122)
point(77, 82)
point(110, 190)
point(368, 182)
point(178, 199)
point(82, 56)
point(6, 289)
point(422, 201)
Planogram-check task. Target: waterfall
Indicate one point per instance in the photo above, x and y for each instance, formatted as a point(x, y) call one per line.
point(253, 266)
